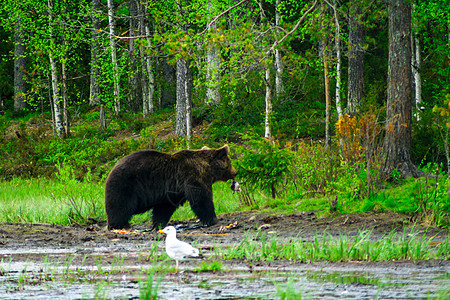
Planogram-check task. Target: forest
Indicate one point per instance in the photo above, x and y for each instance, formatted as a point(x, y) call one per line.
point(347, 101)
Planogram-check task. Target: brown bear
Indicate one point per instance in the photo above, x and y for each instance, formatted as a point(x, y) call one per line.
point(147, 180)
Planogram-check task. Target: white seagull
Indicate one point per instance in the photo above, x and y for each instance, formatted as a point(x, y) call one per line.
point(176, 249)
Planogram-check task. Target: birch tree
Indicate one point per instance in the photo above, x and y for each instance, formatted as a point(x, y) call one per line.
point(94, 90)
point(416, 64)
point(115, 70)
point(337, 41)
point(355, 57)
point(183, 79)
point(212, 60)
point(19, 64)
point(148, 77)
point(268, 102)
point(182, 96)
point(326, 74)
point(58, 118)
point(133, 74)
point(279, 88)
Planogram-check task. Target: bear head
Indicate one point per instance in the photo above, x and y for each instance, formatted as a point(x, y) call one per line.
point(221, 164)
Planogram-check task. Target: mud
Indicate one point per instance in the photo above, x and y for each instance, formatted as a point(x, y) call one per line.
point(83, 262)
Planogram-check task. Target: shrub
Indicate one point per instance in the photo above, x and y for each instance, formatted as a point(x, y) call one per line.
point(264, 164)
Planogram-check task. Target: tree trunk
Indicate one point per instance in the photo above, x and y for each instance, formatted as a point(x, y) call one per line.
point(95, 55)
point(212, 65)
point(65, 100)
point(325, 58)
point(327, 97)
point(181, 122)
point(268, 115)
point(102, 117)
point(187, 92)
point(397, 143)
point(417, 78)
point(279, 88)
point(416, 70)
point(58, 122)
point(133, 77)
point(338, 62)
point(148, 78)
point(356, 38)
point(151, 78)
point(64, 76)
point(114, 56)
point(20, 85)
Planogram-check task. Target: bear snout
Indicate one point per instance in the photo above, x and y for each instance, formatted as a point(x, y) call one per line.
point(233, 172)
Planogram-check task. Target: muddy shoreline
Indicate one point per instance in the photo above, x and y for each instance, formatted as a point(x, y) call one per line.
point(72, 262)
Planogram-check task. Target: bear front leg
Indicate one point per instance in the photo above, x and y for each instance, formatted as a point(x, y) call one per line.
point(201, 201)
point(118, 215)
point(161, 214)
point(118, 219)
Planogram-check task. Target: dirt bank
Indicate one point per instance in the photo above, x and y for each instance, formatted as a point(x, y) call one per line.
point(303, 225)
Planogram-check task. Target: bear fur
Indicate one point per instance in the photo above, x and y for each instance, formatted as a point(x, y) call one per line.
point(147, 180)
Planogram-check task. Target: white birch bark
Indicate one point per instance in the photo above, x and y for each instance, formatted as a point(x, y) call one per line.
point(65, 100)
point(19, 67)
point(339, 61)
point(58, 122)
point(268, 114)
point(212, 65)
point(356, 37)
point(180, 126)
point(279, 88)
point(417, 77)
point(416, 64)
point(150, 76)
point(94, 90)
point(112, 40)
point(327, 98)
point(188, 106)
point(133, 76)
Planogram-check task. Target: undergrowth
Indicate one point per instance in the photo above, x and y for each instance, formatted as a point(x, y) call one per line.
point(62, 181)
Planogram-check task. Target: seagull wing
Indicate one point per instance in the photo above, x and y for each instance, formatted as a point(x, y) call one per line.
point(181, 250)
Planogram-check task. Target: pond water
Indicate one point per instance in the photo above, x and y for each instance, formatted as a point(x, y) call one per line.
point(99, 273)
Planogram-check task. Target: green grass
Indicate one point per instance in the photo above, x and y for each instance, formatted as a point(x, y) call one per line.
point(65, 201)
point(394, 246)
point(209, 266)
point(50, 201)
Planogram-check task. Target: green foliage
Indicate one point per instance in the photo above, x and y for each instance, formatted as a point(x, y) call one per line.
point(264, 164)
point(428, 145)
point(314, 168)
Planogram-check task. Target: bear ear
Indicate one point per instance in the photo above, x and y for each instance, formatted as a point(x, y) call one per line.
point(227, 148)
point(222, 152)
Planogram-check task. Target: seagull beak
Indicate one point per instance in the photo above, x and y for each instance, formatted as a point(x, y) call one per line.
point(160, 231)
